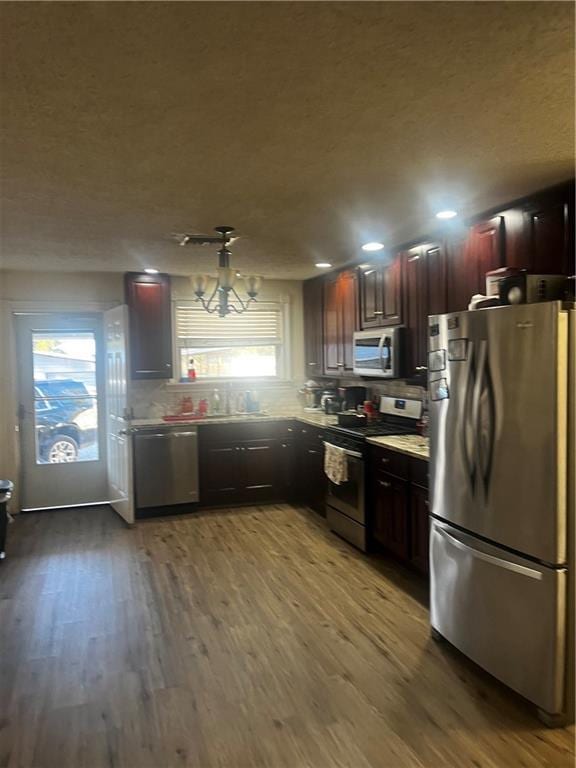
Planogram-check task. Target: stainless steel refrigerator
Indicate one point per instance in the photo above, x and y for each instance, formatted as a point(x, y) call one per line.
point(502, 391)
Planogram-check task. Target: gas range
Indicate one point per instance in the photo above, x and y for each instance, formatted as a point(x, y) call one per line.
point(354, 438)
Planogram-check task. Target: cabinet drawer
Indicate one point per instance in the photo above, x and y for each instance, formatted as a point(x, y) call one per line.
point(311, 435)
point(222, 434)
point(394, 463)
point(419, 469)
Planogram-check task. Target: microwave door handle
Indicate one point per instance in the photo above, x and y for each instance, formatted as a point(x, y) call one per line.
point(381, 348)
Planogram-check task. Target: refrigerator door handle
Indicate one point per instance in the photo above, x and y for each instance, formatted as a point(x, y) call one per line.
point(484, 417)
point(477, 553)
point(468, 426)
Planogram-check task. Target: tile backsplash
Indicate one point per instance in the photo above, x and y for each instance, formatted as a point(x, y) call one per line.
point(152, 398)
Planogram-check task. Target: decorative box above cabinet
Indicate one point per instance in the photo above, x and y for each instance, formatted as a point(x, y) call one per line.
point(380, 293)
point(148, 299)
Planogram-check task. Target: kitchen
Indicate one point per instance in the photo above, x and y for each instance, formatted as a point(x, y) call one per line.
point(287, 500)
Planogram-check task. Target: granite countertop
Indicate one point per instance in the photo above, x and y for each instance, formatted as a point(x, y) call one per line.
point(307, 417)
point(412, 445)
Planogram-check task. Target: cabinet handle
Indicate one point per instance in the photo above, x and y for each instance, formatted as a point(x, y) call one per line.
point(311, 451)
point(385, 461)
point(283, 445)
point(421, 368)
point(427, 503)
point(385, 484)
point(289, 429)
point(312, 363)
point(304, 431)
point(378, 312)
point(168, 365)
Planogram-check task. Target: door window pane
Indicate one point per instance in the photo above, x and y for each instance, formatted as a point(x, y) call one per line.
point(65, 396)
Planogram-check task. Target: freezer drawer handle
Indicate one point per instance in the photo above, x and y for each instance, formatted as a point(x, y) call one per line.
point(531, 573)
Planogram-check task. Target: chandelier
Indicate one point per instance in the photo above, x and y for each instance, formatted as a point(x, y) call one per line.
point(222, 297)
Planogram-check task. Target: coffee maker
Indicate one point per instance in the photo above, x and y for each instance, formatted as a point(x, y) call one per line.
point(352, 397)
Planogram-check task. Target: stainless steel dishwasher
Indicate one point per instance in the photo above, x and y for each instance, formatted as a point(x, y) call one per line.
point(166, 466)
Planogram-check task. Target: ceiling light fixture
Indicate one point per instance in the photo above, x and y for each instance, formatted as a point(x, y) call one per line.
point(224, 298)
point(151, 271)
point(373, 246)
point(323, 265)
point(446, 214)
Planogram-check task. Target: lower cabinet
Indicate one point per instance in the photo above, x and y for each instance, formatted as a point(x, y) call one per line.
point(390, 511)
point(398, 507)
point(262, 462)
point(240, 464)
point(310, 468)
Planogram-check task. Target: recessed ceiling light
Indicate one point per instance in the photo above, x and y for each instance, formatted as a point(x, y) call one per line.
point(373, 246)
point(323, 265)
point(151, 271)
point(446, 214)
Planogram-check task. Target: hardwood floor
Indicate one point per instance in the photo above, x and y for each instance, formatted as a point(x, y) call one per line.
point(235, 639)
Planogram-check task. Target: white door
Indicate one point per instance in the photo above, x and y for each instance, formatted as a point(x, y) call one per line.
point(61, 384)
point(120, 485)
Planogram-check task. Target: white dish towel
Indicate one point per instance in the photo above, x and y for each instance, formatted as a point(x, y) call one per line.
point(335, 464)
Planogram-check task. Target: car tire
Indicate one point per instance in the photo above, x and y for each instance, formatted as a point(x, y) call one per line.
point(62, 449)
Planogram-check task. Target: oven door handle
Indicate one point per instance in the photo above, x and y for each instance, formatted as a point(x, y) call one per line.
point(354, 454)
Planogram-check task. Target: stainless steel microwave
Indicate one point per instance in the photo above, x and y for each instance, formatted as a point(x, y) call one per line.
point(379, 352)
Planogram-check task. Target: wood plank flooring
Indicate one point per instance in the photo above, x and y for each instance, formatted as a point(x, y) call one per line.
point(235, 639)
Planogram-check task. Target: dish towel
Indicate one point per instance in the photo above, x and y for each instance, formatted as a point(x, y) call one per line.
point(335, 464)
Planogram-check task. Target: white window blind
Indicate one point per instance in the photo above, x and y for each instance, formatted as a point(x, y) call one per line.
point(260, 325)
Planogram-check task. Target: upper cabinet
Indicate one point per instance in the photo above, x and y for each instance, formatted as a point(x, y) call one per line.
point(313, 319)
point(480, 250)
point(424, 292)
point(549, 228)
point(380, 294)
point(148, 299)
point(340, 322)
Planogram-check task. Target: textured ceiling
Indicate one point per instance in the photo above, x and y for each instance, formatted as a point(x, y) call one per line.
point(310, 127)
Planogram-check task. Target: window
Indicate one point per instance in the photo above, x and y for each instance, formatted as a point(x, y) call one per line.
point(237, 346)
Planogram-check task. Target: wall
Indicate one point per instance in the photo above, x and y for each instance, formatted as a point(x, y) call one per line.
point(149, 396)
point(39, 291)
point(59, 291)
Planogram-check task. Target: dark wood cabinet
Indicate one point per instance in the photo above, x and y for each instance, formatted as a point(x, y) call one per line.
point(313, 333)
point(549, 227)
point(149, 304)
point(398, 506)
point(380, 294)
point(470, 257)
point(340, 322)
point(415, 311)
point(390, 515)
point(419, 528)
point(239, 464)
point(310, 468)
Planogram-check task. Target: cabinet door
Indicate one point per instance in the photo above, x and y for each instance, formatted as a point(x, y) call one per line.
point(390, 519)
point(313, 336)
point(288, 470)
point(415, 293)
point(331, 326)
point(348, 322)
point(391, 287)
point(219, 475)
point(435, 257)
point(548, 239)
point(469, 259)
point(419, 528)
point(259, 476)
point(313, 477)
point(370, 293)
point(148, 299)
